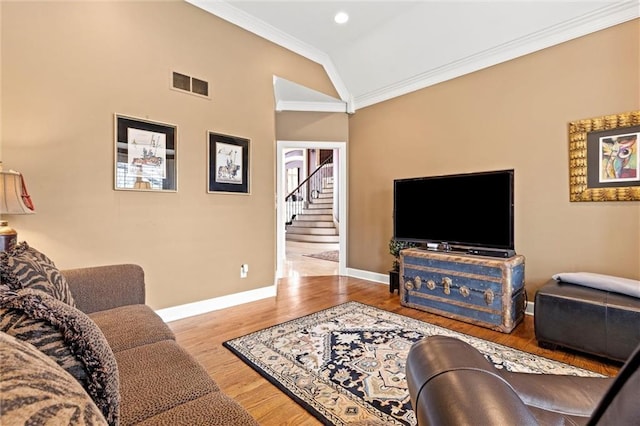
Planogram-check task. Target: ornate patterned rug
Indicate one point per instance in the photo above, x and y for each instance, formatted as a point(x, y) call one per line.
point(331, 255)
point(346, 364)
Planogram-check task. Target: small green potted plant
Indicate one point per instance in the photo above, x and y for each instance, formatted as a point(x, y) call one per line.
point(394, 274)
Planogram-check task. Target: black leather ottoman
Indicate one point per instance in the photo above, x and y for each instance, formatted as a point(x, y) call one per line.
point(594, 321)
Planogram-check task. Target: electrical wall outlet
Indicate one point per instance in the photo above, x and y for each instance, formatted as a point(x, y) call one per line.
point(244, 270)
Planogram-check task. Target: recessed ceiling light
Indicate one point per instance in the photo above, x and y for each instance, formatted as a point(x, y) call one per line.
point(341, 18)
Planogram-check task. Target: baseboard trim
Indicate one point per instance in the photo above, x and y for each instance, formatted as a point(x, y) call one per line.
point(202, 307)
point(369, 276)
point(529, 309)
point(175, 313)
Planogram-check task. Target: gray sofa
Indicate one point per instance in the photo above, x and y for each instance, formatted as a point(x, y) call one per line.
point(154, 380)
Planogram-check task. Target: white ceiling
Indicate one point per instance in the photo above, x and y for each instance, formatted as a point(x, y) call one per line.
point(389, 48)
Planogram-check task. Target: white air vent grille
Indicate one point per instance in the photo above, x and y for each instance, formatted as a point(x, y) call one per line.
point(185, 83)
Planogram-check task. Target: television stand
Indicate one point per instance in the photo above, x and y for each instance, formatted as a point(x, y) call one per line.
point(482, 290)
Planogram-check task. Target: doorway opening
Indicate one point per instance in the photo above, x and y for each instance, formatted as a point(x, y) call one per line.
point(293, 253)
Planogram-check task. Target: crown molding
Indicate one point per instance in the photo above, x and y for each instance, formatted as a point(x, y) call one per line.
point(605, 17)
point(226, 11)
point(311, 106)
point(260, 28)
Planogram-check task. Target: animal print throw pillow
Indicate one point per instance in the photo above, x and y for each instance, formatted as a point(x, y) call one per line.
point(70, 338)
point(35, 390)
point(26, 267)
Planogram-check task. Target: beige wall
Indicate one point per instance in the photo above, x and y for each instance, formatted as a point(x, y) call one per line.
point(312, 126)
point(67, 67)
point(512, 115)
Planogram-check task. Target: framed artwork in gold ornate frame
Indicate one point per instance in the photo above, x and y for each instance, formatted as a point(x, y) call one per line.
point(604, 158)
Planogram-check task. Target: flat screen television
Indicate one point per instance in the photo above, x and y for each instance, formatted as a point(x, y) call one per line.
point(461, 210)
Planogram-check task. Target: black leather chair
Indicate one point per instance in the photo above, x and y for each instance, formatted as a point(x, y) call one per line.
point(451, 383)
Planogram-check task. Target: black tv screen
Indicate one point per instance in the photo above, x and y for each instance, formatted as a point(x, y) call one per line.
point(471, 209)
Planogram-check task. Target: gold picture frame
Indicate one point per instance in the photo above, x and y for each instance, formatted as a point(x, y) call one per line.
point(604, 158)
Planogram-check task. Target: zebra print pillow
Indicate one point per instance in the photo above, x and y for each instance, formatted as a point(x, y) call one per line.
point(67, 336)
point(34, 390)
point(26, 267)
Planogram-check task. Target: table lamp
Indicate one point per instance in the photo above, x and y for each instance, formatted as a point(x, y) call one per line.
point(14, 199)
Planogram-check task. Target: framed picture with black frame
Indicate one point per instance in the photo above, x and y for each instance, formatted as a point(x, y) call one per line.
point(604, 159)
point(228, 164)
point(145, 155)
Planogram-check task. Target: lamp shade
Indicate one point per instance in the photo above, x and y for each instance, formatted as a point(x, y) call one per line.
point(14, 198)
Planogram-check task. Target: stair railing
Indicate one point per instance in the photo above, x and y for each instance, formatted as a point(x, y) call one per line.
point(300, 198)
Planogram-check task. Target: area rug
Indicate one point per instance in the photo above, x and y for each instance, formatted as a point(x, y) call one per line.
point(331, 255)
point(346, 364)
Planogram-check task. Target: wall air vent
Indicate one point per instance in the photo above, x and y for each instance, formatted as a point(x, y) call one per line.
point(199, 87)
point(188, 84)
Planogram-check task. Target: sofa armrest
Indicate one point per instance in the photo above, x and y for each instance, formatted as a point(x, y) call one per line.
point(100, 288)
point(450, 383)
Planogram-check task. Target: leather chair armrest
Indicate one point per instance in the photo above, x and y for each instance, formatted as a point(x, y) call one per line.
point(470, 397)
point(451, 383)
point(568, 395)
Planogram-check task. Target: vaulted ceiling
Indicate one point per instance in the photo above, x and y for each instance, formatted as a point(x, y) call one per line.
point(389, 48)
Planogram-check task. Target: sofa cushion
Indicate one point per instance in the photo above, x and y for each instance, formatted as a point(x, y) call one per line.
point(36, 390)
point(67, 336)
point(26, 267)
point(129, 326)
point(158, 377)
point(212, 409)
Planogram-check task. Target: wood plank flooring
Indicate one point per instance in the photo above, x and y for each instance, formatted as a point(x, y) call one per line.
point(297, 296)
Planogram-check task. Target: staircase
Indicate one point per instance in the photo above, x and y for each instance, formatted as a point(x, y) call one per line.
point(315, 224)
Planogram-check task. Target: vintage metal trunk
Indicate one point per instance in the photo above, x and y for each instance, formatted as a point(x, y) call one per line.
point(481, 290)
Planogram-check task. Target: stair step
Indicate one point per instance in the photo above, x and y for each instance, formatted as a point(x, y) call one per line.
point(316, 206)
point(313, 238)
point(312, 224)
point(317, 211)
point(293, 229)
point(315, 224)
point(315, 217)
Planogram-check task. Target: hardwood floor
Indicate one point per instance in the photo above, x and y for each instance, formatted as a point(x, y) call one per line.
point(301, 294)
